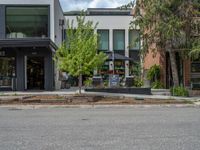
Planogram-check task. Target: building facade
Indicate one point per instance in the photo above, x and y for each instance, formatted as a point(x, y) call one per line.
point(188, 70)
point(30, 32)
point(115, 38)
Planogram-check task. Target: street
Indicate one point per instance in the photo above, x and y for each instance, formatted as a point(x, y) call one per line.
point(150, 128)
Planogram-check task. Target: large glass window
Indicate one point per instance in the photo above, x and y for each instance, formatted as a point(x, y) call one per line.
point(103, 40)
point(134, 40)
point(195, 67)
point(7, 71)
point(23, 22)
point(119, 40)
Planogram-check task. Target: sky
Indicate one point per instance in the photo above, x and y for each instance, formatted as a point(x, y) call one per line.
point(69, 5)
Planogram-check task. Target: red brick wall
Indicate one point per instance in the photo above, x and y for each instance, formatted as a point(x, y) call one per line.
point(186, 72)
point(159, 59)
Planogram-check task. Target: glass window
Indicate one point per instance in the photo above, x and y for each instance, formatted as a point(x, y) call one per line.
point(7, 71)
point(22, 22)
point(119, 39)
point(134, 37)
point(195, 67)
point(103, 39)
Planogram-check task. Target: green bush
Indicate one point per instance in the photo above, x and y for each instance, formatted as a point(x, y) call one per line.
point(106, 83)
point(157, 85)
point(179, 91)
point(138, 82)
point(88, 82)
point(153, 73)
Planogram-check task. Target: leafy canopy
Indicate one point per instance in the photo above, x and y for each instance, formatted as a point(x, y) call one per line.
point(78, 53)
point(164, 21)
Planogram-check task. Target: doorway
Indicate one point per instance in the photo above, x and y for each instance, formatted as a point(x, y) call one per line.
point(35, 73)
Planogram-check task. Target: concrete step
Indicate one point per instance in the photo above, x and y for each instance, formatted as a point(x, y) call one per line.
point(165, 92)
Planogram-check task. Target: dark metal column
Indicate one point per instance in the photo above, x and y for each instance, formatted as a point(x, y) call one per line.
point(2, 21)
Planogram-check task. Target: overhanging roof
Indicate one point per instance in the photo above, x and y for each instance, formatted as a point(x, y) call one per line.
point(28, 42)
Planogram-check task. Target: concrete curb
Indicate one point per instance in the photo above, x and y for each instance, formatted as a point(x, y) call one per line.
point(160, 97)
point(33, 107)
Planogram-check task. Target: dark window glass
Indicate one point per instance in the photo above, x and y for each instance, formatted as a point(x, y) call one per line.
point(23, 22)
point(134, 40)
point(119, 66)
point(7, 71)
point(195, 67)
point(119, 40)
point(103, 39)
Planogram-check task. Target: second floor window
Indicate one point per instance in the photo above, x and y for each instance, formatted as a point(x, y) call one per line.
point(27, 21)
point(134, 40)
point(103, 40)
point(119, 39)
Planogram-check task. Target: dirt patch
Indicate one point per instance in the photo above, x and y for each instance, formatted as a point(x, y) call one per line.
point(88, 100)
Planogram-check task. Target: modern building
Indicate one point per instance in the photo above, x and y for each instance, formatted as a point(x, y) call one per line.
point(30, 32)
point(115, 38)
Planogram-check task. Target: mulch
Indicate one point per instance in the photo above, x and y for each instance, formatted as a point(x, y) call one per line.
point(86, 100)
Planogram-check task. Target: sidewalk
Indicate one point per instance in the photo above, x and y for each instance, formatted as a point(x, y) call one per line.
point(74, 90)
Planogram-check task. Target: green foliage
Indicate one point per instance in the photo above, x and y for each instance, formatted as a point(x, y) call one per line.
point(136, 69)
point(165, 25)
point(179, 91)
point(138, 82)
point(153, 73)
point(88, 82)
point(157, 85)
point(78, 54)
point(105, 83)
point(195, 52)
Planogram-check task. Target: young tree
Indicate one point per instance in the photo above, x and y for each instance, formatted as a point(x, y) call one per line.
point(166, 24)
point(78, 54)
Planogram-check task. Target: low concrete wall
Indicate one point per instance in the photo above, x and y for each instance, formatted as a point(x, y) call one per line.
point(143, 91)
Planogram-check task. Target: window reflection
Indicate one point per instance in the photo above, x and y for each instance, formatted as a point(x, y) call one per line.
point(7, 71)
point(23, 22)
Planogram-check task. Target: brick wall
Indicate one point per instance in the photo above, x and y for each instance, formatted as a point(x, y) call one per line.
point(187, 72)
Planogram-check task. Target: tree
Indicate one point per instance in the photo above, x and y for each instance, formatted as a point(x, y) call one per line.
point(195, 52)
point(165, 25)
point(78, 54)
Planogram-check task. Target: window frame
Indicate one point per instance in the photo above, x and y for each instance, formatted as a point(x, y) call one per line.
point(129, 40)
point(25, 5)
point(115, 30)
point(108, 39)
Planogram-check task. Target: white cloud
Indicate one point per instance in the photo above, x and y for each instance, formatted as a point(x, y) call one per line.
point(84, 4)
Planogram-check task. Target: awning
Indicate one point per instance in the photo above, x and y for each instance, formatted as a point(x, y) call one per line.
point(28, 42)
point(116, 56)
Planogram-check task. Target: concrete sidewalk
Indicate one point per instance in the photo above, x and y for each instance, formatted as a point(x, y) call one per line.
point(74, 90)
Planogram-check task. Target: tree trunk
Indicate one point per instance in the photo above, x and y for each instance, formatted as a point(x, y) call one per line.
point(172, 56)
point(80, 83)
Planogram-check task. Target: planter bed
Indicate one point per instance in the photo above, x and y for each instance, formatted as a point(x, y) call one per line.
point(142, 91)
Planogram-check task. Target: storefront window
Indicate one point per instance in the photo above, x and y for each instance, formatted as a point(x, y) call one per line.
point(23, 22)
point(119, 67)
point(7, 71)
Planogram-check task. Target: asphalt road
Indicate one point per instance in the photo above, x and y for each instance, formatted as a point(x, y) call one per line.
point(100, 129)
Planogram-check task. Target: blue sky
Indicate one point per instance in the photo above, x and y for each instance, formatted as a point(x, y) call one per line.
point(69, 5)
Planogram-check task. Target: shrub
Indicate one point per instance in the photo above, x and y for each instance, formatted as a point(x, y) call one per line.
point(157, 85)
point(153, 73)
point(138, 82)
point(88, 82)
point(106, 83)
point(179, 91)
